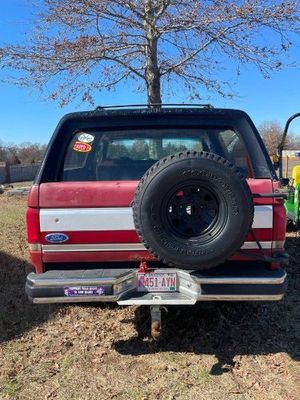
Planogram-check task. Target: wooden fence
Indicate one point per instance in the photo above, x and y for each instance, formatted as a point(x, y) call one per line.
point(17, 173)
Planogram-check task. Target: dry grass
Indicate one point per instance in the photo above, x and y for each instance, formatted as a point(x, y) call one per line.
point(209, 351)
point(21, 184)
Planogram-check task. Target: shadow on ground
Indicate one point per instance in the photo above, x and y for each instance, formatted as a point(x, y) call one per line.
point(227, 329)
point(221, 329)
point(17, 314)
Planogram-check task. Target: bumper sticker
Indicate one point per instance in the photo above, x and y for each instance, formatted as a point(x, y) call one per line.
point(82, 147)
point(86, 138)
point(77, 291)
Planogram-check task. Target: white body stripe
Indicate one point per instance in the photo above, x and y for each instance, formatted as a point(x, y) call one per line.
point(86, 219)
point(113, 219)
point(50, 248)
point(263, 217)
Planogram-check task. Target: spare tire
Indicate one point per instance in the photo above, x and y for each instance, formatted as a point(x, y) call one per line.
point(193, 210)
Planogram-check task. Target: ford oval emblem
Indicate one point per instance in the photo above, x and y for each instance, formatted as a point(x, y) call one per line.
point(56, 237)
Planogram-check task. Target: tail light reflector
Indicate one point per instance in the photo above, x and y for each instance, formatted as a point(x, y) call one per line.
point(33, 225)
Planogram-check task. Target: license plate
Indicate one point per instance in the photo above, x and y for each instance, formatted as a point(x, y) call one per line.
point(156, 281)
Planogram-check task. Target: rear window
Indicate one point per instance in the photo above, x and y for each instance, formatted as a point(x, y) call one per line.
point(126, 155)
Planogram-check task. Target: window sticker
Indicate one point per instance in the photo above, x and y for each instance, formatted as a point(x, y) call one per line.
point(82, 147)
point(77, 291)
point(86, 138)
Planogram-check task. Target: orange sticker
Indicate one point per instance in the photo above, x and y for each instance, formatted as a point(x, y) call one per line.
point(82, 147)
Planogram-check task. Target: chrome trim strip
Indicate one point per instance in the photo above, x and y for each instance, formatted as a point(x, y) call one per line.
point(80, 281)
point(242, 280)
point(137, 301)
point(253, 245)
point(278, 244)
point(53, 248)
point(185, 279)
point(50, 248)
point(82, 299)
point(241, 297)
point(34, 247)
point(180, 300)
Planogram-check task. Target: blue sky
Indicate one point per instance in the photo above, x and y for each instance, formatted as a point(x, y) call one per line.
point(25, 116)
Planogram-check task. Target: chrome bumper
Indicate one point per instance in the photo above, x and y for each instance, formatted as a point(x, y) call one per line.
point(119, 285)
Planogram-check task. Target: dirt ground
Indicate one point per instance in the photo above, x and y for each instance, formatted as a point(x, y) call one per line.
point(230, 351)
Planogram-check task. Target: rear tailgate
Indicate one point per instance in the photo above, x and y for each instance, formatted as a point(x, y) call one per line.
point(96, 219)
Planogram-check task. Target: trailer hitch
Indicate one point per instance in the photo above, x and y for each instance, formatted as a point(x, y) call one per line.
point(156, 328)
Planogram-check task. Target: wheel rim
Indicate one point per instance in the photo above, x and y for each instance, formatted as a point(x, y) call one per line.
point(192, 211)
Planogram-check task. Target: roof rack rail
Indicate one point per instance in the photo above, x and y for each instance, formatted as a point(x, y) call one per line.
point(154, 105)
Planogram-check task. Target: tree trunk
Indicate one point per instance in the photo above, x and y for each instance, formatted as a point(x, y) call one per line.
point(152, 73)
point(153, 79)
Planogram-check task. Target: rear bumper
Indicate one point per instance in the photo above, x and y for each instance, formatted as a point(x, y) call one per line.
point(119, 285)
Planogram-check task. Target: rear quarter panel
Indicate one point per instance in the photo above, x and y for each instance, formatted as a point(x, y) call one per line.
point(97, 219)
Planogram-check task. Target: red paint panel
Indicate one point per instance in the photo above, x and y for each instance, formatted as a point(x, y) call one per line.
point(87, 194)
point(279, 222)
point(261, 234)
point(262, 186)
point(118, 256)
point(94, 256)
point(112, 193)
point(94, 237)
point(33, 196)
point(238, 257)
point(279, 218)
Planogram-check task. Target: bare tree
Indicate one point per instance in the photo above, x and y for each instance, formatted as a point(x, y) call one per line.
point(25, 153)
point(79, 47)
point(271, 132)
point(31, 153)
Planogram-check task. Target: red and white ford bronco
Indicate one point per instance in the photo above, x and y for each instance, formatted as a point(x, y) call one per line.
point(168, 205)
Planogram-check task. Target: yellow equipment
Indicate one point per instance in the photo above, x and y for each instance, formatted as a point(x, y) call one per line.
point(296, 175)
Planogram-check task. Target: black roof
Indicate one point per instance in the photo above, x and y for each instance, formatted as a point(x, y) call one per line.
point(115, 117)
point(142, 109)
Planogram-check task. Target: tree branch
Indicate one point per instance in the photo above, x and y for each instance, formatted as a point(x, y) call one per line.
point(199, 50)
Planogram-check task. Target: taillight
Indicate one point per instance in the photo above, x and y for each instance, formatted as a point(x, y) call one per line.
point(33, 229)
point(279, 223)
point(33, 225)
point(33, 197)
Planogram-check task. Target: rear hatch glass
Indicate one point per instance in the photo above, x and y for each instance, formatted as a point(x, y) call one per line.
point(127, 155)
